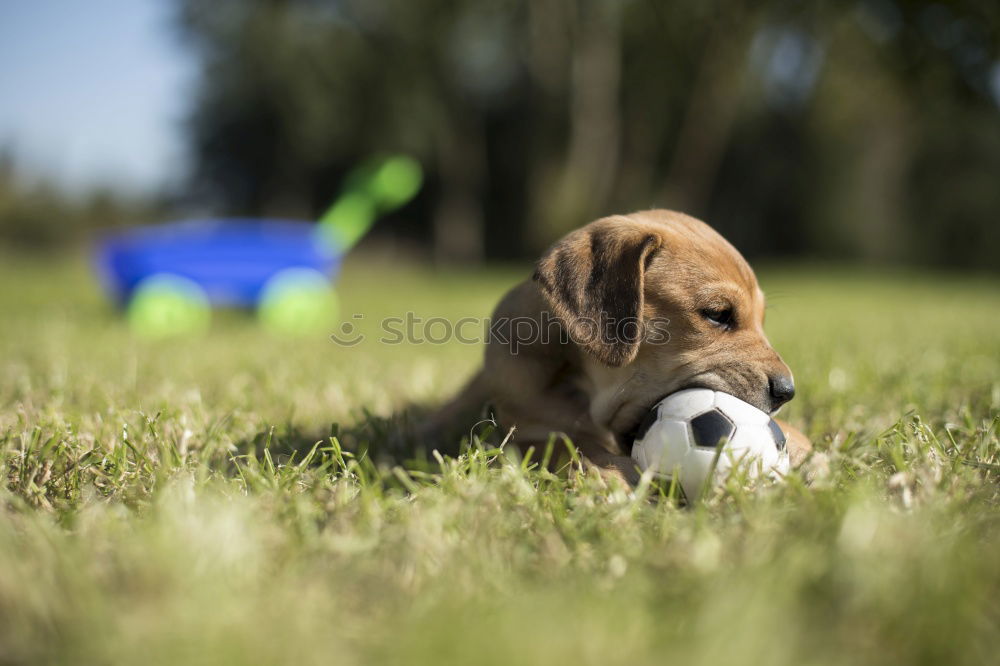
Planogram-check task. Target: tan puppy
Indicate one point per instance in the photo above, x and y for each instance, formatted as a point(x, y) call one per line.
point(619, 314)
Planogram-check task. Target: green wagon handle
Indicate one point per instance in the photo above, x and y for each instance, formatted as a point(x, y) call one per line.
point(375, 188)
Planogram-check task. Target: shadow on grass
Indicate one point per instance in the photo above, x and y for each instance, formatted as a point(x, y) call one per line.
point(390, 441)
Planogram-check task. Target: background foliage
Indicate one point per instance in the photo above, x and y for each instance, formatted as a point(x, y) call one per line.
point(865, 130)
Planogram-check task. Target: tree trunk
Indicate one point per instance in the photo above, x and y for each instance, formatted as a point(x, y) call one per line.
point(458, 216)
point(711, 113)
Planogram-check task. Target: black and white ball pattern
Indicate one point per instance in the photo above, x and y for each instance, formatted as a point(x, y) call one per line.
point(699, 433)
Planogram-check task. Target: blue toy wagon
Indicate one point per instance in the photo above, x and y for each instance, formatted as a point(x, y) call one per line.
point(169, 277)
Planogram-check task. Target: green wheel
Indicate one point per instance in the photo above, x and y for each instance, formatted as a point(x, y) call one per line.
point(298, 301)
point(165, 305)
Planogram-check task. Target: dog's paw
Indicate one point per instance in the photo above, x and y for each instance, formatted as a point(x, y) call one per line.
point(799, 446)
point(614, 470)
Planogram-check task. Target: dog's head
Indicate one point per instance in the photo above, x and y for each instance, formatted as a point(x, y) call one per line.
point(659, 302)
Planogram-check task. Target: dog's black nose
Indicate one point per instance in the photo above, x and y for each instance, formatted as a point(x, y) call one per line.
point(782, 389)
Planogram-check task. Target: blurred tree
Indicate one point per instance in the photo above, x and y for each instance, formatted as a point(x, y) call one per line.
point(38, 215)
point(864, 130)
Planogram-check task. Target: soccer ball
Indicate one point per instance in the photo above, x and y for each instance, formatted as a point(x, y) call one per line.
point(701, 435)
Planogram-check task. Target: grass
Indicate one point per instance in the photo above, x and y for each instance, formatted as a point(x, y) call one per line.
point(184, 501)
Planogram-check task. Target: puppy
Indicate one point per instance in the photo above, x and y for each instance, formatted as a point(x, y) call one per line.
point(619, 314)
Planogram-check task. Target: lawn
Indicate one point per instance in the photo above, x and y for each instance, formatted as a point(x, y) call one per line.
point(203, 500)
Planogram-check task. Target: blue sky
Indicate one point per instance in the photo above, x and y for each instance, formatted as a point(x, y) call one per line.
point(93, 91)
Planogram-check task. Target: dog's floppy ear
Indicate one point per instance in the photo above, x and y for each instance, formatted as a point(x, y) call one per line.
point(593, 281)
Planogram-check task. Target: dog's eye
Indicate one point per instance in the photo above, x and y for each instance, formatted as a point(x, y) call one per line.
point(722, 317)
